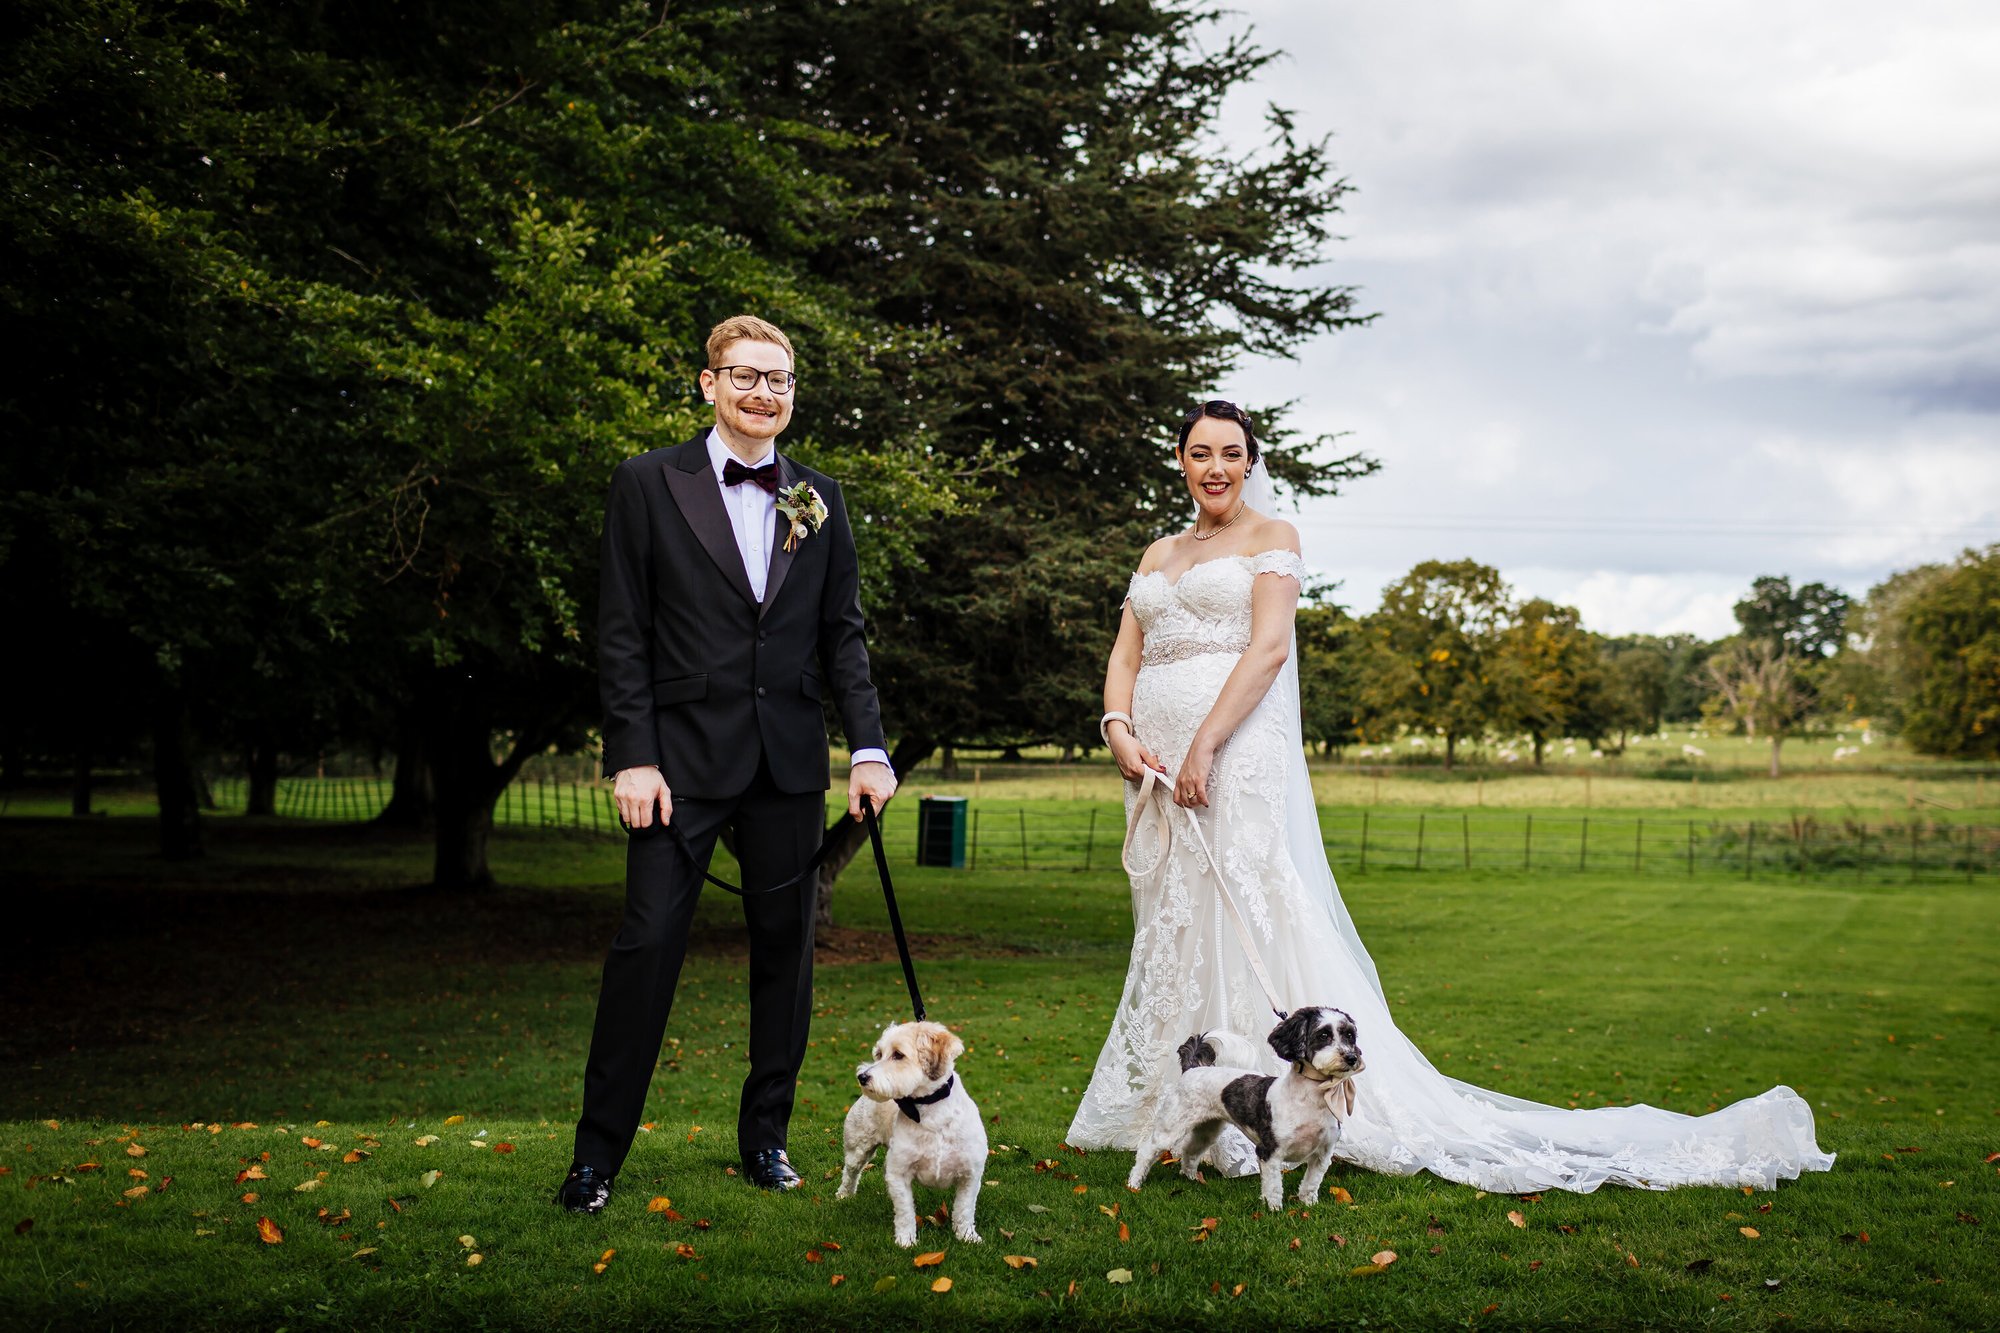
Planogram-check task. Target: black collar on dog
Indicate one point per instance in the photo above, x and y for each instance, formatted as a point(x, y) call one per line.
point(909, 1105)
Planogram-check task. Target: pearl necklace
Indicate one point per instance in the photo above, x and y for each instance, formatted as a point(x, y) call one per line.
point(1241, 505)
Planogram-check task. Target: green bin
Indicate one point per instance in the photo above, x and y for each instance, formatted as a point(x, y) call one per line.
point(941, 831)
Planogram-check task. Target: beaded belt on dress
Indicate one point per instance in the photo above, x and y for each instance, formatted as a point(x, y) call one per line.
point(1180, 650)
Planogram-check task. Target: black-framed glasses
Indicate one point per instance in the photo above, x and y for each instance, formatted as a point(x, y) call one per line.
point(746, 377)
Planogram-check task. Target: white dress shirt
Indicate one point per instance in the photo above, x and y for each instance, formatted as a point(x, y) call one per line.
point(753, 517)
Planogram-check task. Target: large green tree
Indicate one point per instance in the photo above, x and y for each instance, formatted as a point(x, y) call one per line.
point(1950, 667)
point(341, 334)
point(1041, 189)
point(1543, 663)
point(1431, 651)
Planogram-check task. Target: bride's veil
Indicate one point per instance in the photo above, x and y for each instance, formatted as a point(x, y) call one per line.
point(1302, 835)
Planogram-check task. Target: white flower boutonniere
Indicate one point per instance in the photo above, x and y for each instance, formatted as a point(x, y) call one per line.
point(804, 511)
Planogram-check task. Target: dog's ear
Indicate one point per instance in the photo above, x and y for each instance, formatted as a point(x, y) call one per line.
point(1196, 1052)
point(941, 1047)
point(1288, 1039)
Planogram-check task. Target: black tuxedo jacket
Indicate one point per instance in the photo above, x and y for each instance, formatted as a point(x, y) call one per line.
point(696, 675)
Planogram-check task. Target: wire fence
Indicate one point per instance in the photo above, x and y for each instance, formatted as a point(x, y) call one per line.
point(1085, 836)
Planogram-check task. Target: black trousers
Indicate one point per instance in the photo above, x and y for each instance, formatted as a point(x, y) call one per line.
point(776, 834)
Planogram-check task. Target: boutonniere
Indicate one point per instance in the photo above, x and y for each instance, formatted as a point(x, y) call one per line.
point(803, 510)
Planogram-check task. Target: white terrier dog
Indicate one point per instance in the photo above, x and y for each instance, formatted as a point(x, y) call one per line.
point(1294, 1117)
point(913, 1100)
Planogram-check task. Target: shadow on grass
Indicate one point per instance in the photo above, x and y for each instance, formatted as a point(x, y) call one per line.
point(294, 925)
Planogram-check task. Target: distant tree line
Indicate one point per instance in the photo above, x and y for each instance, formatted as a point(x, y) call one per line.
point(328, 324)
point(1452, 655)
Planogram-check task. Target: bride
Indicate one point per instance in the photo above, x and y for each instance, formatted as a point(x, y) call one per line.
point(1206, 671)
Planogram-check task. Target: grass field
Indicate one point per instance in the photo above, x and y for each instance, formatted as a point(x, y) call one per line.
point(295, 983)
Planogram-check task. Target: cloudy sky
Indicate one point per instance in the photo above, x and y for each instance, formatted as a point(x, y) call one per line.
point(1671, 295)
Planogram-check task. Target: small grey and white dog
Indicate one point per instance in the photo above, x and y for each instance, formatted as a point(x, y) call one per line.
point(913, 1100)
point(1291, 1118)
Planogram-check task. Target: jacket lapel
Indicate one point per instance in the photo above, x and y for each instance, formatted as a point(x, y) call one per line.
point(781, 559)
point(692, 483)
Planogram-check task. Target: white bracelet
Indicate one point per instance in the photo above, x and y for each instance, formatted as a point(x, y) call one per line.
point(1104, 725)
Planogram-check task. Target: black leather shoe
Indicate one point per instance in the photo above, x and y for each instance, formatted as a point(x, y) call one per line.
point(771, 1170)
point(584, 1190)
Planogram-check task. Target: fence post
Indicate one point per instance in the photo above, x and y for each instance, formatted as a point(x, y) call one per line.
point(975, 835)
point(1750, 851)
point(1528, 846)
point(1690, 849)
point(1583, 848)
point(1364, 840)
point(1638, 845)
point(1465, 829)
point(1023, 812)
point(1090, 838)
point(1420, 841)
point(1913, 846)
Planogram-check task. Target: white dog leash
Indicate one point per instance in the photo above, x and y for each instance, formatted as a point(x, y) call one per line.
point(1153, 794)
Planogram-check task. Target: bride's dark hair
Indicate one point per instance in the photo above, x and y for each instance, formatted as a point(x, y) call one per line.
point(1222, 410)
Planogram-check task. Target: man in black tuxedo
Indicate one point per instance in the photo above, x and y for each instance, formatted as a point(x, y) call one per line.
point(720, 631)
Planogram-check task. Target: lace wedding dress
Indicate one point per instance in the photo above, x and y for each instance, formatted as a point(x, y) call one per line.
point(1189, 973)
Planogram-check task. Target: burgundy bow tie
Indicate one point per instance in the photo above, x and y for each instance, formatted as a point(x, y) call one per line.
point(735, 474)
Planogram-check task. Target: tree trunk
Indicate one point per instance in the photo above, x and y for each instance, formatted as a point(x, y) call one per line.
point(467, 783)
point(1776, 741)
point(460, 863)
point(1450, 749)
point(845, 837)
point(1541, 742)
point(948, 765)
point(412, 792)
point(173, 780)
point(80, 785)
point(413, 797)
point(262, 761)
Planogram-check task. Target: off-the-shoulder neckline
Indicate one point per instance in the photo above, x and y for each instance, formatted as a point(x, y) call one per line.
point(1215, 560)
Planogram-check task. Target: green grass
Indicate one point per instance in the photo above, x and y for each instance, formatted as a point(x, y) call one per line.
point(296, 981)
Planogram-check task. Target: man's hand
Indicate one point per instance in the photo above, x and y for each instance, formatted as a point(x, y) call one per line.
point(875, 781)
point(638, 791)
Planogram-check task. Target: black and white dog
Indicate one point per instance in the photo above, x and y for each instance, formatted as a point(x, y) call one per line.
point(1291, 1118)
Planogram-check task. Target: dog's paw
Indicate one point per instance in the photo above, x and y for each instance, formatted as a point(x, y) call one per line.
point(1308, 1198)
point(970, 1237)
point(844, 1192)
point(1274, 1203)
point(908, 1242)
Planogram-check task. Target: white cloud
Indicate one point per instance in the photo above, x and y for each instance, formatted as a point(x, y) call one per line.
point(1613, 602)
point(1726, 266)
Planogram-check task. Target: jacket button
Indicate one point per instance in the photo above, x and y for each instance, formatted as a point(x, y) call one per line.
point(760, 691)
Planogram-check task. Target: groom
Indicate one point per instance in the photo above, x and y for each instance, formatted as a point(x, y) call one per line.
point(722, 625)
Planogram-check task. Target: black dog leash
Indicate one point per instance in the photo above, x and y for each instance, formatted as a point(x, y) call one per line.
point(826, 846)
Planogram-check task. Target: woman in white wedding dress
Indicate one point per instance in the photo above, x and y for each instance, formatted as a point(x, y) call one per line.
point(1205, 668)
